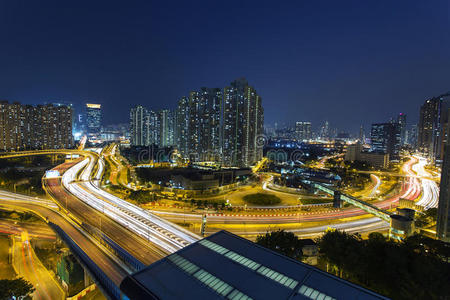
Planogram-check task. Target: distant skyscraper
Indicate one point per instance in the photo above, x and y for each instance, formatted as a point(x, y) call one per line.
point(362, 137)
point(443, 216)
point(303, 130)
point(385, 138)
point(325, 131)
point(401, 120)
point(243, 120)
point(35, 127)
point(139, 126)
point(93, 118)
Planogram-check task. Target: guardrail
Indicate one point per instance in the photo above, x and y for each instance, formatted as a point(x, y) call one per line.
point(123, 254)
point(108, 287)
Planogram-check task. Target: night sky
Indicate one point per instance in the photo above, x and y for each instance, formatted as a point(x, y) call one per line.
point(349, 62)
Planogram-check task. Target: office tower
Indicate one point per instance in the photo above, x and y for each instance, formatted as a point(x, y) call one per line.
point(139, 126)
point(242, 123)
point(385, 138)
point(35, 127)
point(303, 131)
point(401, 120)
point(443, 220)
point(362, 137)
point(93, 118)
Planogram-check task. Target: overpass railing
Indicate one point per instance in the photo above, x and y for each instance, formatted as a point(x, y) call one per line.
point(120, 252)
point(372, 209)
point(108, 287)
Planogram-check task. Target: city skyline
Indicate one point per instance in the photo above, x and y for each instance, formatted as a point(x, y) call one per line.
point(350, 81)
point(225, 150)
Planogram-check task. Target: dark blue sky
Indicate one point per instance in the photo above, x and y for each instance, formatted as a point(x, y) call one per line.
point(350, 62)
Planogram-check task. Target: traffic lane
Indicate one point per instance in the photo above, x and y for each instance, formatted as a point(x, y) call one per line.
point(141, 249)
point(34, 230)
point(111, 268)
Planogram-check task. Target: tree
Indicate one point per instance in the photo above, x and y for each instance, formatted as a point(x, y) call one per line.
point(413, 269)
point(15, 287)
point(282, 242)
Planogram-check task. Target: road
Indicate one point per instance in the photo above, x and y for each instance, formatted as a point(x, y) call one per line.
point(430, 190)
point(28, 265)
point(103, 258)
point(84, 212)
point(35, 230)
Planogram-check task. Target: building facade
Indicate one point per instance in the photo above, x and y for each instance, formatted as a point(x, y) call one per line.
point(443, 220)
point(303, 131)
point(138, 126)
point(93, 118)
point(385, 138)
point(243, 120)
point(210, 124)
point(35, 127)
point(432, 127)
point(401, 120)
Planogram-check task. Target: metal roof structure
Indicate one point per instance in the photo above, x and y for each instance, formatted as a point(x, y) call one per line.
point(226, 266)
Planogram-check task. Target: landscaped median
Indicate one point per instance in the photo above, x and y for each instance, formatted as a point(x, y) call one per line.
point(262, 199)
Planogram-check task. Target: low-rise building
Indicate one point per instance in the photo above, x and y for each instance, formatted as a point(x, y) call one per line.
point(355, 152)
point(199, 182)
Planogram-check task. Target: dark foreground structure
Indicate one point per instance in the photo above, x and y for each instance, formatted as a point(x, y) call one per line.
point(225, 266)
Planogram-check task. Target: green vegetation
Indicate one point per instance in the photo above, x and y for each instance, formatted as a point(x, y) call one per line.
point(316, 201)
point(142, 197)
point(262, 199)
point(416, 268)
point(18, 216)
point(283, 242)
point(426, 218)
point(24, 175)
point(15, 288)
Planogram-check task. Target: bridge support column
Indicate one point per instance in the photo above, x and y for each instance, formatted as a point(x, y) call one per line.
point(337, 202)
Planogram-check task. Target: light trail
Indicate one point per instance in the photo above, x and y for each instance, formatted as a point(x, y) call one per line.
point(167, 236)
point(430, 190)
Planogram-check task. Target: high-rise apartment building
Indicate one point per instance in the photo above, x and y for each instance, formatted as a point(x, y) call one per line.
point(432, 128)
point(303, 131)
point(429, 127)
point(210, 124)
point(385, 138)
point(35, 127)
point(243, 120)
point(152, 128)
point(138, 126)
point(182, 126)
point(198, 125)
point(165, 127)
point(93, 118)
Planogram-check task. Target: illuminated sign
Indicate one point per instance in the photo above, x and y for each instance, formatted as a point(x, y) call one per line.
point(91, 105)
point(52, 174)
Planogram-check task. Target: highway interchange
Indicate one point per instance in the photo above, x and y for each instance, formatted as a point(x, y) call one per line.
point(149, 235)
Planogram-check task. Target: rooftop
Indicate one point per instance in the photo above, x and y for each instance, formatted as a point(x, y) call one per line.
point(224, 265)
